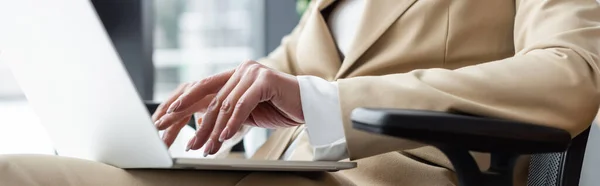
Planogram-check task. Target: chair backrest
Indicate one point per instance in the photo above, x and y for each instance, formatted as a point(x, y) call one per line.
point(559, 169)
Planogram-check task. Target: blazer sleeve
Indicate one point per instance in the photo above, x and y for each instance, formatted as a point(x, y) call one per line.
point(552, 79)
point(283, 57)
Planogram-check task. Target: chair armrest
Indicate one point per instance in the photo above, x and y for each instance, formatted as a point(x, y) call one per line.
point(474, 133)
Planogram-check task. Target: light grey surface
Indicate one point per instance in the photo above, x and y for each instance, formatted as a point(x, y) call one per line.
point(130, 26)
point(590, 172)
point(280, 18)
point(26, 136)
point(83, 96)
point(8, 86)
point(261, 165)
point(74, 80)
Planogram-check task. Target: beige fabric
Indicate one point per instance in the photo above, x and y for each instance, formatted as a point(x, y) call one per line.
point(534, 61)
point(276, 145)
point(551, 80)
point(43, 170)
point(526, 60)
point(302, 151)
point(36, 170)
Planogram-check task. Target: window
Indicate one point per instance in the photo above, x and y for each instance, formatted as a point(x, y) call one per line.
point(198, 38)
point(193, 39)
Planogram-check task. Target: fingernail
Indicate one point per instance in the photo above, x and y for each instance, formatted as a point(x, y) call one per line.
point(191, 143)
point(224, 134)
point(174, 106)
point(209, 147)
point(158, 122)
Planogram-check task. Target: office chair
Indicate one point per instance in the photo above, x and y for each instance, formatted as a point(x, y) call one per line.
point(556, 159)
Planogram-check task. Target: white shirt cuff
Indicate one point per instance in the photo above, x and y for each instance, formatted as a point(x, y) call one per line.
point(323, 118)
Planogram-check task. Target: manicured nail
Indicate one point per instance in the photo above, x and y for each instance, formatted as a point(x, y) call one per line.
point(158, 122)
point(174, 106)
point(191, 143)
point(209, 147)
point(224, 135)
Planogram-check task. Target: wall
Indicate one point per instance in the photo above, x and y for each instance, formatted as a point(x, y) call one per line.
point(280, 18)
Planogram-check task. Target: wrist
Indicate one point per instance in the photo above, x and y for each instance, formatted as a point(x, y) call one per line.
point(288, 96)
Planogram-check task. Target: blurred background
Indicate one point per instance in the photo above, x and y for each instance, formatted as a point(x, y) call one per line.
point(162, 43)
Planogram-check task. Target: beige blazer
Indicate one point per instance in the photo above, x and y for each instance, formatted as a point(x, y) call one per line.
point(527, 60)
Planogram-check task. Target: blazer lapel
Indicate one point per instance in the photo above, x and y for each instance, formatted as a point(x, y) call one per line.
point(316, 51)
point(318, 55)
point(322, 4)
point(378, 16)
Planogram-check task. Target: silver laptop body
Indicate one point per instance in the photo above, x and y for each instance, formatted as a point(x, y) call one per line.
point(69, 71)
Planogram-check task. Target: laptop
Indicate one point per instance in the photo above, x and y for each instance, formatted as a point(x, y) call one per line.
point(63, 59)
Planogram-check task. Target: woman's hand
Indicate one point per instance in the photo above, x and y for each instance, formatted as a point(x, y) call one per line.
point(251, 94)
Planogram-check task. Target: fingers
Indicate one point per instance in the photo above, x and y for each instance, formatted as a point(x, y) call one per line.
point(221, 108)
point(222, 129)
point(212, 112)
point(231, 123)
point(200, 90)
point(225, 111)
point(162, 108)
point(202, 133)
point(222, 105)
point(192, 141)
point(172, 132)
point(242, 91)
point(170, 119)
point(191, 100)
point(242, 109)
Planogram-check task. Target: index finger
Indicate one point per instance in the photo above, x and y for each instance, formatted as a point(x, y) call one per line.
point(162, 108)
point(200, 90)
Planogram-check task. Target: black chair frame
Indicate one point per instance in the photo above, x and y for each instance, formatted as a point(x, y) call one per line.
point(457, 134)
